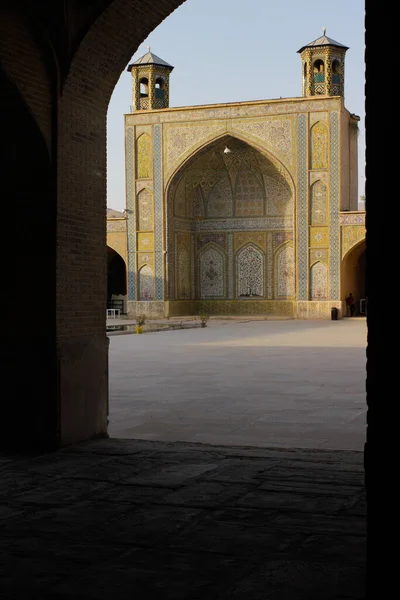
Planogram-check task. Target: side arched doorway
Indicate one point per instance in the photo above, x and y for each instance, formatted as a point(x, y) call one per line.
point(116, 281)
point(353, 277)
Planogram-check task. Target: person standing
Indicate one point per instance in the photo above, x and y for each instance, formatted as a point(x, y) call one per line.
point(350, 303)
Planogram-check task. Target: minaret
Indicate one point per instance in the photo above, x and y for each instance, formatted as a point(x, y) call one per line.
point(323, 67)
point(150, 82)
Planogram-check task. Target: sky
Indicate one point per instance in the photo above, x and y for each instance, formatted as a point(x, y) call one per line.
point(235, 51)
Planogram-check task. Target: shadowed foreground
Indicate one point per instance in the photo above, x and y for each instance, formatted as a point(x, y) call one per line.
point(121, 519)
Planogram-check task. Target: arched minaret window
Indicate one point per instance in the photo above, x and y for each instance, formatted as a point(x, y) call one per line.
point(305, 78)
point(336, 72)
point(144, 87)
point(319, 71)
point(160, 88)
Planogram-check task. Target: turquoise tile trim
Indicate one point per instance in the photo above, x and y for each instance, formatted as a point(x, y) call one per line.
point(158, 212)
point(334, 230)
point(130, 204)
point(302, 217)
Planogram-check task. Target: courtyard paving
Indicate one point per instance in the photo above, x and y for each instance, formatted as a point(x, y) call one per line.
point(134, 519)
point(163, 519)
point(283, 383)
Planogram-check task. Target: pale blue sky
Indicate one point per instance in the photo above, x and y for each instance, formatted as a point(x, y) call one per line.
point(230, 51)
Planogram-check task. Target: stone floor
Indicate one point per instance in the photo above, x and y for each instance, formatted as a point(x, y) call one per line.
point(291, 383)
point(134, 519)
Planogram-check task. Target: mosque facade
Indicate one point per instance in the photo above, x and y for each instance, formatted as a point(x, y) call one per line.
point(245, 208)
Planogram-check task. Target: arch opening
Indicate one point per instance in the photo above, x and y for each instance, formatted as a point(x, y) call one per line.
point(116, 281)
point(353, 277)
point(228, 194)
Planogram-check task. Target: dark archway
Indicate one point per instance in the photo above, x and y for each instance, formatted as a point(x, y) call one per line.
point(28, 357)
point(116, 279)
point(353, 277)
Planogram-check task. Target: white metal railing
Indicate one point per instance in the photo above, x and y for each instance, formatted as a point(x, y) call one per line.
point(113, 313)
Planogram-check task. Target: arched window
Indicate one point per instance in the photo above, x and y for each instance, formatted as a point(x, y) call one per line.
point(336, 71)
point(319, 71)
point(160, 88)
point(144, 87)
point(305, 74)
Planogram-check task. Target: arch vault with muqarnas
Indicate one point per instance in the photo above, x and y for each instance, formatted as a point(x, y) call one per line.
point(244, 208)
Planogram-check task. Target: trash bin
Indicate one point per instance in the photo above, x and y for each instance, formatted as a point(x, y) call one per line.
point(334, 314)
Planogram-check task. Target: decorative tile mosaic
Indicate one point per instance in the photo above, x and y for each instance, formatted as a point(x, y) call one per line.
point(130, 204)
point(318, 282)
point(236, 111)
point(242, 238)
point(180, 200)
point(352, 218)
point(145, 242)
point(249, 195)
point(248, 306)
point(182, 140)
point(230, 266)
point(143, 156)
point(158, 211)
point(220, 200)
point(319, 146)
point(280, 237)
point(321, 176)
point(318, 204)
point(183, 276)
point(285, 272)
point(145, 258)
point(351, 236)
point(140, 185)
point(334, 243)
point(218, 238)
point(250, 272)
point(276, 133)
point(192, 265)
point(279, 197)
point(145, 210)
point(212, 273)
point(317, 117)
point(183, 239)
point(319, 255)
point(146, 283)
point(319, 237)
point(238, 224)
point(116, 225)
point(302, 217)
point(269, 264)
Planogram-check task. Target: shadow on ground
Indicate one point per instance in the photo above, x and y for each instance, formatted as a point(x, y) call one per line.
point(126, 519)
